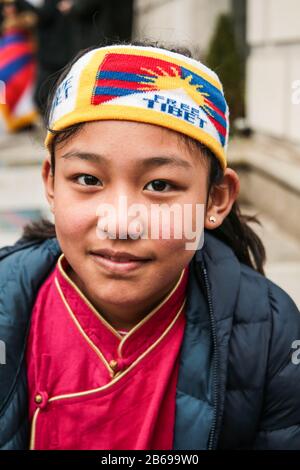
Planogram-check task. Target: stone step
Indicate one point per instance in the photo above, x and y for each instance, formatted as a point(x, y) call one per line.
point(270, 178)
point(22, 149)
point(282, 252)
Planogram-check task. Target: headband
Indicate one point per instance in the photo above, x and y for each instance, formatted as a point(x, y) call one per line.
point(144, 84)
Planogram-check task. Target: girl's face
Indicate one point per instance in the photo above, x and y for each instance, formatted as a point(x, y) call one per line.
point(142, 164)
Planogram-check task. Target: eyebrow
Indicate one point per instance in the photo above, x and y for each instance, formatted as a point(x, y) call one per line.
point(146, 163)
point(92, 157)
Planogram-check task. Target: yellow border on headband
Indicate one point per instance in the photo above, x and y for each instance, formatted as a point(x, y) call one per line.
point(89, 73)
point(86, 112)
point(147, 116)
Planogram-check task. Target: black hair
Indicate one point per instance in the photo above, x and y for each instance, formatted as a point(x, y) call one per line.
point(235, 230)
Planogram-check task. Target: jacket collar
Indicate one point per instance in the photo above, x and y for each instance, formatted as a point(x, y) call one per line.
point(23, 269)
point(31, 263)
point(212, 294)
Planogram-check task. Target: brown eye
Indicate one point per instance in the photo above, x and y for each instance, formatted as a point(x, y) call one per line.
point(88, 180)
point(159, 185)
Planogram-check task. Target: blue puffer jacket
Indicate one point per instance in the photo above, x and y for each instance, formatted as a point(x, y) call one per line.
point(238, 386)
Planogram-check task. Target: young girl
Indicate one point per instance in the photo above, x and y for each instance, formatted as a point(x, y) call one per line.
point(120, 339)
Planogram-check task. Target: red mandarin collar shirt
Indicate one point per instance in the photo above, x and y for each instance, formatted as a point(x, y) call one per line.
point(92, 387)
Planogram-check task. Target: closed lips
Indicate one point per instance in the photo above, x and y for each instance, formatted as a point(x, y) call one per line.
point(119, 260)
point(119, 257)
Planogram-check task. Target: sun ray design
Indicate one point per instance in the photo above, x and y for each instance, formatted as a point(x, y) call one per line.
point(149, 72)
point(164, 72)
point(169, 82)
point(166, 81)
point(122, 75)
point(174, 71)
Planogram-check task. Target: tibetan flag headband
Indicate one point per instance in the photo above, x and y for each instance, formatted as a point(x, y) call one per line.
point(144, 84)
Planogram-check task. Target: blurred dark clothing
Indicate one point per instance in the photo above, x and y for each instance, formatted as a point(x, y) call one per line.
point(60, 36)
point(54, 36)
point(100, 22)
point(91, 23)
point(55, 47)
point(121, 13)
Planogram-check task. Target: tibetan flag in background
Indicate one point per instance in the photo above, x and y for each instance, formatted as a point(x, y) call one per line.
point(17, 81)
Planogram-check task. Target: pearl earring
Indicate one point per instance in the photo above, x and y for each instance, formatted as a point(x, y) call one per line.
point(212, 219)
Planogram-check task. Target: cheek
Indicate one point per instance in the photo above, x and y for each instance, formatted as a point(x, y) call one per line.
point(182, 224)
point(74, 216)
point(181, 235)
point(173, 252)
point(74, 220)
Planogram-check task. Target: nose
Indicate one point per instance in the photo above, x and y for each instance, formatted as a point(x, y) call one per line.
point(120, 219)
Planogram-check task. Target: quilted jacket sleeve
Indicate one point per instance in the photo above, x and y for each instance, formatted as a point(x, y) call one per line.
point(280, 421)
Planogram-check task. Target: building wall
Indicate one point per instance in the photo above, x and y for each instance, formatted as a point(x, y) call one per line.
point(187, 23)
point(273, 35)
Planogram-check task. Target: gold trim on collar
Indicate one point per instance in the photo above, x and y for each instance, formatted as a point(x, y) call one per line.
point(102, 319)
point(85, 299)
point(82, 332)
point(122, 374)
point(33, 429)
point(148, 316)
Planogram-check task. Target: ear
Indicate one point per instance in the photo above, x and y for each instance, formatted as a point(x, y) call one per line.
point(221, 199)
point(48, 179)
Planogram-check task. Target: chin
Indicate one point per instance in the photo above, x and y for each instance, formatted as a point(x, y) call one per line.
point(117, 299)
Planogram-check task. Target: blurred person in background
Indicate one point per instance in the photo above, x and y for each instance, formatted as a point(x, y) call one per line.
point(54, 45)
point(98, 22)
point(67, 26)
point(17, 67)
point(121, 14)
point(90, 19)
